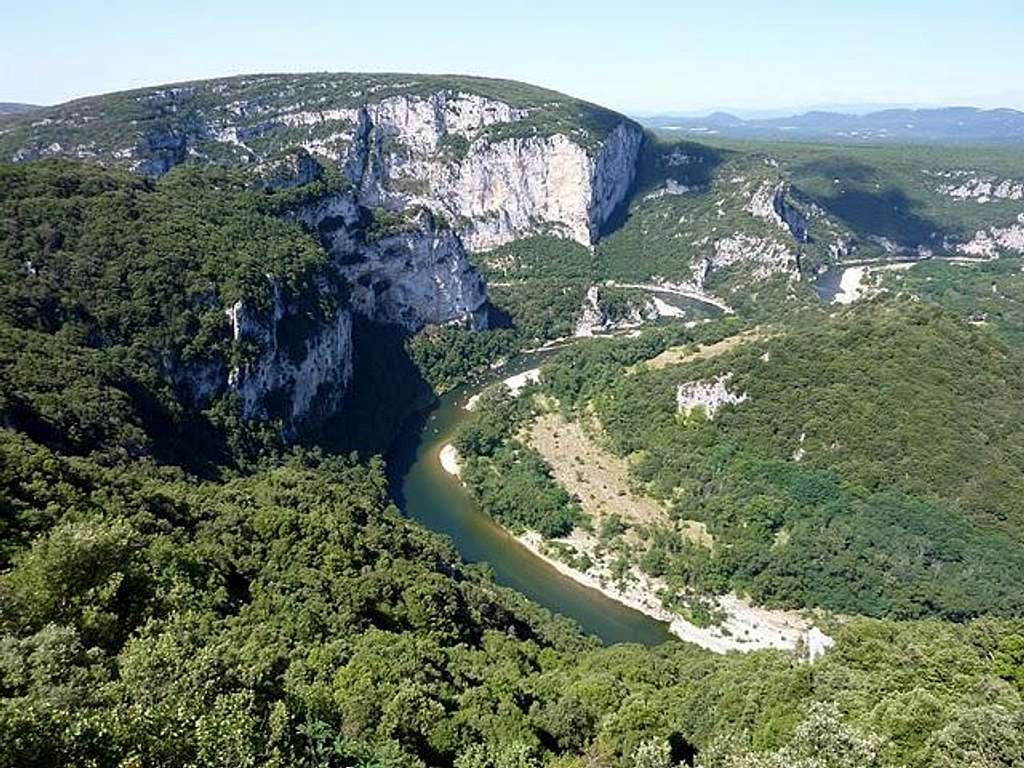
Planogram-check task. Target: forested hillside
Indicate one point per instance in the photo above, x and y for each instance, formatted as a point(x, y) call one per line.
point(114, 290)
point(873, 465)
point(194, 570)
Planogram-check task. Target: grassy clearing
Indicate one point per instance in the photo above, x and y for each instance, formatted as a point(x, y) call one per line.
point(599, 480)
point(688, 353)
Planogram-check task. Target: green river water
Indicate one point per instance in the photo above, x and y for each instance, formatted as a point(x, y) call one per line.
point(426, 493)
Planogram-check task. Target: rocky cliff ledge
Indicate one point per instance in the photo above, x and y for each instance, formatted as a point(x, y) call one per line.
point(498, 160)
point(423, 169)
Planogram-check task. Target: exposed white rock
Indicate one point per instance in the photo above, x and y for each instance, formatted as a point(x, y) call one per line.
point(762, 203)
point(850, 285)
point(295, 373)
point(817, 643)
point(680, 156)
point(984, 189)
point(432, 151)
point(988, 244)
point(511, 188)
point(709, 395)
point(665, 309)
point(417, 278)
point(516, 384)
point(672, 187)
point(799, 453)
point(446, 150)
point(595, 320)
point(767, 257)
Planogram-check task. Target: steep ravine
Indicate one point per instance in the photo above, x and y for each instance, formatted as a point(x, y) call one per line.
point(448, 170)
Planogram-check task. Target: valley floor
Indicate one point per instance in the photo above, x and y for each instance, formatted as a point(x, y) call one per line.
point(598, 481)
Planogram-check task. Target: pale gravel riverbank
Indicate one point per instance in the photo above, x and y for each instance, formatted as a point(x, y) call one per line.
point(745, 628)
point(449, 459)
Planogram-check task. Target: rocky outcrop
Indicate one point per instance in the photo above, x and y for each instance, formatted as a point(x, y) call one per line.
point(492, 190)
point(709, 396)
point(596, 318)
point(983, 189)
point(770, 202)
point(296, 369)
point(765, 257)
point(988, 244)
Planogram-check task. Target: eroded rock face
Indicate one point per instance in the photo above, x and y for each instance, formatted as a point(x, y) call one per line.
point(297, 371)
point(464, 155)
point(419, 275)
point(770, 203)
point(491, 190)
point(521, 186)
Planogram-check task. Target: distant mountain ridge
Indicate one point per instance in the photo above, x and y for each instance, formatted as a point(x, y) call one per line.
point(14, 108)
point(954, 125)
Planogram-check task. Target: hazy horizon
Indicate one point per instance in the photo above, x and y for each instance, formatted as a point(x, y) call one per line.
point(766, 112)
point(661, 57)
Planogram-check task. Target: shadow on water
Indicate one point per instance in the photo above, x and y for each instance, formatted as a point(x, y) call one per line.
point(427, 494)
point(385, 390)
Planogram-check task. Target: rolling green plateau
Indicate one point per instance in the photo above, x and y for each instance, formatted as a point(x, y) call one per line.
point(232, 346)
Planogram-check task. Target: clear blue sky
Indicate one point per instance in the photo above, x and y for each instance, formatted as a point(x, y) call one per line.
point(635, 56)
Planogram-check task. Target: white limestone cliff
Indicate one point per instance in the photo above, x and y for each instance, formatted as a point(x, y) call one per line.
point(289, 377)
point(492, 189)
point(417, 276)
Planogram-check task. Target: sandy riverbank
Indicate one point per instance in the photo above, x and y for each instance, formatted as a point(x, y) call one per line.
point(853, 285)
point(514, 384)
point(745, 628)
point(449, 459)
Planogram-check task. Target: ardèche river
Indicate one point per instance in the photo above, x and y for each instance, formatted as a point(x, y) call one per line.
point(429, 495)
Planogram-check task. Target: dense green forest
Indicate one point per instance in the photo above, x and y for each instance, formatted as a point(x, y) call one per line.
point(292, 617)
point(178, 588)
point(124, 282)
point(874, 467)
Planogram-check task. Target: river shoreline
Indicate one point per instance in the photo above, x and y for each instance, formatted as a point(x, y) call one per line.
point(745, 629)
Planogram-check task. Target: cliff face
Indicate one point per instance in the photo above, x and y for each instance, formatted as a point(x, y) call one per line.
point(416, 276)
point(491, 189)
point(296, 372)
point(447, 164)
point(497, 160)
